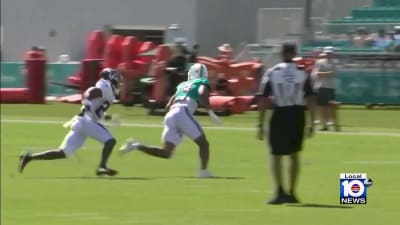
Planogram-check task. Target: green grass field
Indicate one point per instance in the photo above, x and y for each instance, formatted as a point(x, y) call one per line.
point(153, 191)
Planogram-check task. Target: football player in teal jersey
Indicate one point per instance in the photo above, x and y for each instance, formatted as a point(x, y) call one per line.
point(179, 119)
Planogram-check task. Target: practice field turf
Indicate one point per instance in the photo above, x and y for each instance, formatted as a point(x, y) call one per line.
point(153, 191)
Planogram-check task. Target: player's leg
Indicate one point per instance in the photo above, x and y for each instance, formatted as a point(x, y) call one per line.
point(322, 105)
point(335, 117)
point(49, 155)
point(326, 112)
point(204, 150)
point(72, 141)
point(190, 127)
point(106, 152)
point(330, 107)
point(277, 178)
point(27, 157)
point(165, 151)
point(318, 108)
point(333, 107)
point(296, 135)
point(171, 137)
point(100, 133)
point(278, 142)
point(276, 170)
point(317, 114)
point(294, 170)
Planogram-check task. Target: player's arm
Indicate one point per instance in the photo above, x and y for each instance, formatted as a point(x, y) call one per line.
point(170, 102)
point(262, 109)
point(204, 92)
point(89, 95)
point(93, 93)
point(325, 74)
point(263, 100)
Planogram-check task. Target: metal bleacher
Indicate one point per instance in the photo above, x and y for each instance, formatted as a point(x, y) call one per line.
point(382, 14)
point(365, 75)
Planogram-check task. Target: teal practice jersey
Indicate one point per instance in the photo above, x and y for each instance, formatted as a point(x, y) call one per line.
point(190, 89)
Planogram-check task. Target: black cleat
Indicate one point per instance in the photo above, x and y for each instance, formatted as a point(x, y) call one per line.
point(277, 200)
point(106, 171)
point(291, 199)
point(24, 159)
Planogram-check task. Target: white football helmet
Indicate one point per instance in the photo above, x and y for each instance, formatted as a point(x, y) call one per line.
point(197, 70)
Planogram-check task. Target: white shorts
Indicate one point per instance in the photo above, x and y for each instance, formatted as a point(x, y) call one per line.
point(82, 128)
point(179, 121)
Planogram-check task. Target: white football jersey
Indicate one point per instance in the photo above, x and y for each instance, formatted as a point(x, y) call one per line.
point(94, 109)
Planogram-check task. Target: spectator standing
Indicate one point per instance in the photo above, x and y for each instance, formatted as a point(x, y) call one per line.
point(324, 86)
point(382, 41)
point(225, 51)
point(361, 38)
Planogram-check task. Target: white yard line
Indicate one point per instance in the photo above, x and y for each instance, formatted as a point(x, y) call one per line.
point(364, 133)
point(374, 162)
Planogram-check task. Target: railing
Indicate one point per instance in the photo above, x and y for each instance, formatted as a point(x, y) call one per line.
point(368, 78)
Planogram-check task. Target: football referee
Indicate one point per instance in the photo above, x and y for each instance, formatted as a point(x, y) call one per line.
point(287, 90)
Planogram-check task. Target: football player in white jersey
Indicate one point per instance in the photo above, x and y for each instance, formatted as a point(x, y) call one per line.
point(96, 101)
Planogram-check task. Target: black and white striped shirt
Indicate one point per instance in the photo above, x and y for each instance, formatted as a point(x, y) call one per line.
point(286, 84)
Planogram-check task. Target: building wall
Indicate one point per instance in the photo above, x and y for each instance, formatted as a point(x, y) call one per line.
point(207, 22)
point(235, 21)
point(27, 23)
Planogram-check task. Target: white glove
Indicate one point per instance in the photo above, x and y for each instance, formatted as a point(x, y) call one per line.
point(214, 117)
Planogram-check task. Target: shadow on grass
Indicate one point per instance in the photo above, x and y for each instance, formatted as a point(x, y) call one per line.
point(325, 206)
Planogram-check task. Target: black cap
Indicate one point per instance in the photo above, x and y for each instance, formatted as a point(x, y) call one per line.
point(289, 48)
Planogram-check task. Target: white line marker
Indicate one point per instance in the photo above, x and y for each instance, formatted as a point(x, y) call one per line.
point(364, 133)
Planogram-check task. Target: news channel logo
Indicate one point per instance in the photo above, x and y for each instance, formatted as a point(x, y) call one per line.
point(353, 188)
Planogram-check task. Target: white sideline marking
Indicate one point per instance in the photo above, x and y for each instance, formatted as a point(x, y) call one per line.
point(368, 133)
point(375, 162)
